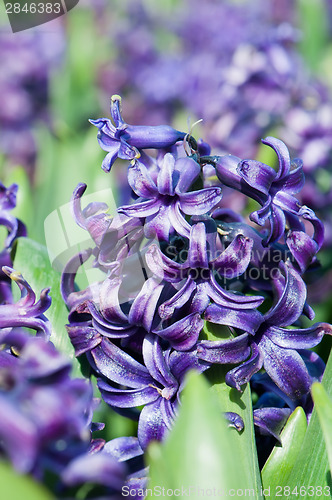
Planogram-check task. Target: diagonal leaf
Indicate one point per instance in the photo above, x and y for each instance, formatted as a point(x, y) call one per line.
point(279, 465)
point(15, 486)
point(200, 454)
point(311, 468)
point(323, 405)
point(32, 260)
point(231, 400)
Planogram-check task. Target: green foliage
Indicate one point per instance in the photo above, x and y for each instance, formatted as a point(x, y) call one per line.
point(279, 465)
point(15, 486)
point(323, 406)
point(32, 260)
point(201, 453)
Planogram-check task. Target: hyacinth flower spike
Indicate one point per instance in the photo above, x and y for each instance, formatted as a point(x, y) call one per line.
point(274, 346)
point(156, 384)
point(124, 141)
point(163, 203)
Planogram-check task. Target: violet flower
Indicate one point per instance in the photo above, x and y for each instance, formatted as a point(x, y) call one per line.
point(156, 384)
point(273, 346)
point(124, 141)
point(163, 203)
point(196, 282)
point(27, 312)
point(273, 190)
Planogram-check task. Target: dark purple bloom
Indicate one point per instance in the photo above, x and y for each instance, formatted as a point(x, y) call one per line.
point(44, 414)
point(156, 384)
point(195, 279)
point(273, 346)
point(124, 141)
point(27, 312)
point(273, 190)
point(163, 203)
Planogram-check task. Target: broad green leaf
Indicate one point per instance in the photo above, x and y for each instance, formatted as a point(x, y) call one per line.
point(15, 486)
point(312, 467)
point(200, 453)
point(230, 399)
point(323, 405)
point(279, 465)
point(32, 260)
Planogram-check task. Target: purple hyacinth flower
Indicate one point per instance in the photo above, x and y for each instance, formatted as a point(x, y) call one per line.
point(124, 141)
point(27, 312)
point(163, 203)
point(195, 279)
point(276, 189)
point(45, 415)
point(273, 190)
point(274, 346)
point(156, 384)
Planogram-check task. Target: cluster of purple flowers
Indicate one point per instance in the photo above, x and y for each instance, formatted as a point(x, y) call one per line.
point(176, 262)
point(247, 80)
point(46, 415)
point(27, 59)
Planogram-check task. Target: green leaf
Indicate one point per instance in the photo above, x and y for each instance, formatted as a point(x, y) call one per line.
point(311, 467)
point(32, 260)
point(231, 400)
point(201, 452)
point(279, 465)
point(15, 486)
point(323, 405)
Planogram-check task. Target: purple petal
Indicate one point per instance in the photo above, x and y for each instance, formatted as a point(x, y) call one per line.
point(178, 222)
point(151, 425)
point(234, 420)
point(181, 362)
point(293, 182)
point(178, 300)
point(302, 247)
point(286, 368)
point(156, 137)
point(165, 178)
point(159, 224)
point(19, 437)
point(200, 202)
point(257, 174)
point(188, 170)
point(127, 398)
point(242, 374)
point(197, 255)
point(155, 359)
point(271, 420)
point(232, 299)
point(283, 155)
point(98, 468)
point(123, 448)
point(143, 308)
point(290, 305)
point(161, 266)
point(302, 338)
point(183, 334)
point(109, 300)
point(141, 209)
point(234, 260)
point(309, 214)
point(247, 320)
point(140, 181)
point(118, 366)
point(232, 350)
